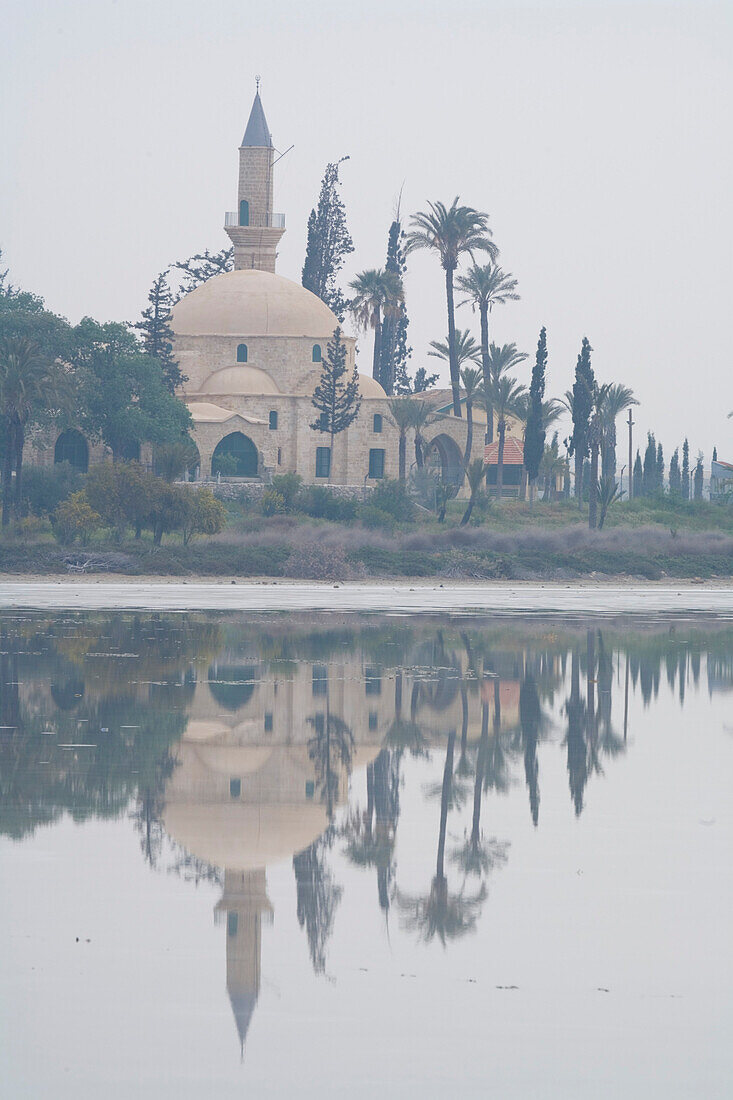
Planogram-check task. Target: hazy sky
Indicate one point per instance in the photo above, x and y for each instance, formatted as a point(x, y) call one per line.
point(596, 134)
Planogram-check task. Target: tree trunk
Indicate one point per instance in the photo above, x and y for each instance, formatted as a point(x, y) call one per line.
point(484, 315)
point(8, 469)
point(593, 489)
point(402, 454)
point(376, 362)
point(419, 459)
point(523, 489)
point(467, 514)
point(447, 781)
point(19, 442)
point(500, 459)
point(455, 380)
point(469, 434)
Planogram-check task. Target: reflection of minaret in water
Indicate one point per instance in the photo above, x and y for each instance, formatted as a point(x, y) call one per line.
point(244, 901)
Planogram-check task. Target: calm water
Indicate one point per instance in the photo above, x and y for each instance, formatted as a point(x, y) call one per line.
point(320, 856)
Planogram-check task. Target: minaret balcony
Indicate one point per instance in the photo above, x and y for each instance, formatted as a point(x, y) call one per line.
point(270, 221)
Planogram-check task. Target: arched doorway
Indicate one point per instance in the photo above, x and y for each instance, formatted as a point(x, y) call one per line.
point(444, 457)
point(235, 456)
point(72, 447)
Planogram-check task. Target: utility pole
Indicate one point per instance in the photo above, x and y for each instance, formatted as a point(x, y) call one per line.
point(631, 458)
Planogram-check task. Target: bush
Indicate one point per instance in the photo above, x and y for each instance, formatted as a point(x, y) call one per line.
point(75, 519)
point(203, 514)
point(321, 503)
point(374, 517)
point(320, 563)
point(392, 497)
point(287, 486)
point(44, 487)
point(272, 503)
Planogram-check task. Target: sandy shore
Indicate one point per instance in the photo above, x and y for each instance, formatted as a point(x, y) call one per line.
point(590, 596)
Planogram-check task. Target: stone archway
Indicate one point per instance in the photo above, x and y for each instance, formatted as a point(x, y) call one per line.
point(72, 447)
point(235, 456)
point(444, 456)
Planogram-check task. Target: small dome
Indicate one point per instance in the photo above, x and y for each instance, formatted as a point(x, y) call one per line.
point(368, 387)
point(252, 303)
point(239, 380)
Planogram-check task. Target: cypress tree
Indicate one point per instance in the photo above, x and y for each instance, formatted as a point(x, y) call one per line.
point(534, 431)
point(329, 243)
point(638, 476)
point(583, 390)
point(395, 351)
point(685, 470)
point(660, 468)
point(336, 397)
point(715, 454)
point(675, 477)
point(698, 477)
point(649, 483)
point(157, 335)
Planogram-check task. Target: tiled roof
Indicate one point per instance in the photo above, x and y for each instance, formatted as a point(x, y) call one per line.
point(513, 452)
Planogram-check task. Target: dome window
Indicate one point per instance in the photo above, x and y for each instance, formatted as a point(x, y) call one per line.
point(317, 356)
point(241, 353)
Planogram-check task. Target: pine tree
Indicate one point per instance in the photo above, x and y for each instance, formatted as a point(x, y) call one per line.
point(649, 483)
point(698, 477)
point(157, 335)
point(660, 469)
point(395, 351)
point(329, 243)
point(534, 430)
point(583, 391)
point(638, 476)
point(685, 470)
point(336, 398)
point(201, 267)
point(675, 477)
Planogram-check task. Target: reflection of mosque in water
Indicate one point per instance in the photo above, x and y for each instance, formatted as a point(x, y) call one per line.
point(266, 757)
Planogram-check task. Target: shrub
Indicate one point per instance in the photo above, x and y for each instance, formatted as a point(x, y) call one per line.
point(75, 519)
point(287, 486)
point(392, 497)
point(321, 503)
point(272, 503)
point(315, 561)
point(44, 487)
point(374, 517)
point(203, 514)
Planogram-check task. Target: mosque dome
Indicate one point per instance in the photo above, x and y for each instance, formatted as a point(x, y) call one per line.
point(368, 386)
point(239, 380)
point(251, 302)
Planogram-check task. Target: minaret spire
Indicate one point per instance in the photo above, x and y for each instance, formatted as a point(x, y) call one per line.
point(253, 228)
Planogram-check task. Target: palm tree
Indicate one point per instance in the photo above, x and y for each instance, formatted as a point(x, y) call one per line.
point(608, 494)
point(595, 440)
point(473, 387)
point(500, 359)
point(402, 414)
point(553, 465)
point(618, 398)
point(475, 474)
point(506, 395)
point(467, 350)
point(30, 382)
point(451, 232)
point(486, 287)
point(422, 415)
point(378, 294)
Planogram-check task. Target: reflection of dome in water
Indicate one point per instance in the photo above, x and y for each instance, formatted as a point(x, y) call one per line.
point(232, 685)
point(250, 302)
point(68, 695)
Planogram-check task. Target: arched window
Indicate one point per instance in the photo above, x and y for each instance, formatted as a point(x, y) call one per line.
point(317, 357)
point(241, 353)
point(235, 456)
point(71, 447)
point(244, 212)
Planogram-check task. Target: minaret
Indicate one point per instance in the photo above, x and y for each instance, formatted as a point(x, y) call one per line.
point(253, 228)
point(244, 901)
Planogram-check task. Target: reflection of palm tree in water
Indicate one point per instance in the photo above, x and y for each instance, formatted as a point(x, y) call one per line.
point(530, 714)
point(441, 913)
point(371, 835)
point(575, 737)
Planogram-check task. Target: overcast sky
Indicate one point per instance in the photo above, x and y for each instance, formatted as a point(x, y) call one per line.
point(596, 134)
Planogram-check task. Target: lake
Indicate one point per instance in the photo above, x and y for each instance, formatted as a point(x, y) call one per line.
point(316, 854)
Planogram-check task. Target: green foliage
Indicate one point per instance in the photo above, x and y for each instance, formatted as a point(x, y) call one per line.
point(272, 503)
point(44, 487)
point(685, 470)
point(608, 494)
point(336, 397)
point(287, 486)
point(203, 266)
point(320, 503)
point(422, 381)
point(329, 243)
point(75, 519)
point(376, 518)
point(202, 513)
point(675, 476)
point(392, 497)
point(172, 460)
point(534, 433)
point(395, 351)
point(583, 390)
point(378, 294)
point(156, 332)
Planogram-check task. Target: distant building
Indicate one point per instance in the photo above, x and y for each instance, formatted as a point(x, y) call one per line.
point(721, 479)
